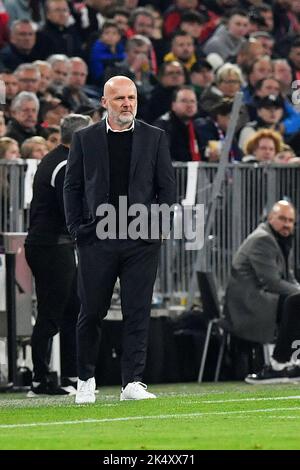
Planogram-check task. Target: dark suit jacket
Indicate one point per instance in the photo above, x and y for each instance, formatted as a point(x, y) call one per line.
point(151, 177)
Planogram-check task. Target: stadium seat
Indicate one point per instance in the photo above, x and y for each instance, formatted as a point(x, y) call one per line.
point(219, 325)
point(212, 308)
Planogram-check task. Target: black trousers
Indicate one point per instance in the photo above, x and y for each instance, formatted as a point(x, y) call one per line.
point(288, 327)
point(55, 273)
point(100, 264)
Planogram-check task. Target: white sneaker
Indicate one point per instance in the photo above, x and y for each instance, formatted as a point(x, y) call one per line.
point(135, 391)
point(85, 391)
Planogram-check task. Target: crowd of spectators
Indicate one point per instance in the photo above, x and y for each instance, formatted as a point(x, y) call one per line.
point(188, 59)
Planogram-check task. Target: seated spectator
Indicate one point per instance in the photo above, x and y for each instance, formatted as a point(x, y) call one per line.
point(142, 21)
point(22, 47)
point(270, 111)
point(263, 146)
point(227, 39)
point(61, 69)
point(34, 147)
point(282, 72)
point(212, 130)
point(107, 50)
point(52, 136)
point(182, 49)
point(179, 125)
point(28, 76)
point(9, 149)
point(73, 92)
point(57, 35)
point(11, 90)
point(263, 296)
point(228, 82)
point(24, 111)
point(266, 41)
point(171, 75)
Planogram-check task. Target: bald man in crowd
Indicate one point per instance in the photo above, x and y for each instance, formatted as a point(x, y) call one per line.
point(120, 157)
point(263, 296)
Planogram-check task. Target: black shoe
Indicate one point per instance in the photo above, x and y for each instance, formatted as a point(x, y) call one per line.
point(293, 373)
point(270, 376)
point(46, 388)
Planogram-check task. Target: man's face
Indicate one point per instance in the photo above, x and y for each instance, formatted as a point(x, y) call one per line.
point(269, 87)
point(203, 78)
point(262, 68)
point(11, 85)
point(265, 150)
point(283, 72)
point(238, 26)
point(120, 101)
point(26, 114)
point(58, 13)
point(144, 25)
point(23, 37)
point(270, 115)
point(29, 80)
point(183, 47)
point(185, 106)
point(283, 220)
point(173, 76)
point(61, 72)
point(78, 75)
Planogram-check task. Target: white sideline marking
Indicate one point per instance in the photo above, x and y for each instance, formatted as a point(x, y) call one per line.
point(231, 400)
point(136, 418)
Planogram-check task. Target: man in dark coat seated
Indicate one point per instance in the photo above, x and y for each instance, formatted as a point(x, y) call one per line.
point(263, 295)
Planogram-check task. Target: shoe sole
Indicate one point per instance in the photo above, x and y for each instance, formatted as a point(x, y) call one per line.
point(132, 399)
point(80, 401)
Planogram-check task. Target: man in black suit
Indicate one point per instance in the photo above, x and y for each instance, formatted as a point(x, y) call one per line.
point(118, 157)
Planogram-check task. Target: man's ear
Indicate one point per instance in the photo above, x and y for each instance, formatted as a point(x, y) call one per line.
point(103, 102)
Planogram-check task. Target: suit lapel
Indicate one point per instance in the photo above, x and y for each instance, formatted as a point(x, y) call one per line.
point(100, 147)
point(137, 145)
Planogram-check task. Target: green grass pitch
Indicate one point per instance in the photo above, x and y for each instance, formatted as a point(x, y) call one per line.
point(184, 416)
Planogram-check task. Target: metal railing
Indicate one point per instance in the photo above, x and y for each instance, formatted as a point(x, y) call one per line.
point(248, 192)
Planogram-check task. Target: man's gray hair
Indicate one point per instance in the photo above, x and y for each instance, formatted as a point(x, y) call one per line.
point(52, 59)
point(28, 66)
point(22, 97)
point(16, 23)
point(72, 123)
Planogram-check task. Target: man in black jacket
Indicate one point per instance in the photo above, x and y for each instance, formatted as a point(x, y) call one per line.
point(50, 254)
point(116, 159)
